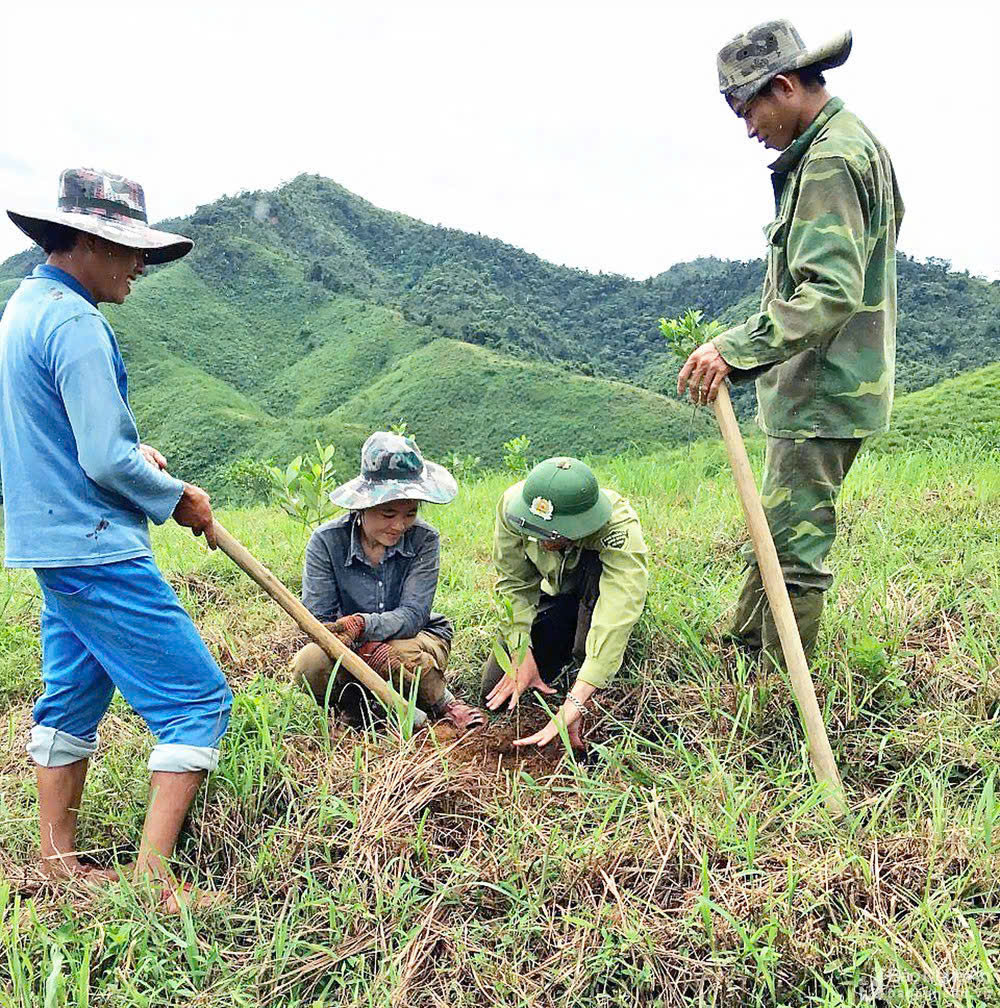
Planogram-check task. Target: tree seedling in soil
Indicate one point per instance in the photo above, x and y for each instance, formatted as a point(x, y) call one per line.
point(302, 490)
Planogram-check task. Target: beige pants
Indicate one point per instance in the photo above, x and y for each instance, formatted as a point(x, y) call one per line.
point(421, 659)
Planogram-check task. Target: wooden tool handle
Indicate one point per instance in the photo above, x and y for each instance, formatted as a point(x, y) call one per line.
point(820, 752)
point(328, 641)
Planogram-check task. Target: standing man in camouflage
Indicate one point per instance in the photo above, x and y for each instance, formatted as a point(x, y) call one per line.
point(822, 347)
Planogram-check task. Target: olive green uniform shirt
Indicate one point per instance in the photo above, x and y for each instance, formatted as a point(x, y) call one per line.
point(826, 329)
point(525, 570)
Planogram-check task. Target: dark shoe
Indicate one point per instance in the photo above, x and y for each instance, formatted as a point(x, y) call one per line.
point(807, 606)
point(746, 628)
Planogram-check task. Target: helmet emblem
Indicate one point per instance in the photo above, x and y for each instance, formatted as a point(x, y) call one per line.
point(542, 508)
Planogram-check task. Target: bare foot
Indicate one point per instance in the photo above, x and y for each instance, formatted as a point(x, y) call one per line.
point(95, 874)
point(462, 715)
point(183, 895)
point(69, 867)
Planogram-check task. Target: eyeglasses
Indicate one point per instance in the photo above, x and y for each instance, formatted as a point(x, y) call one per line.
point(744, 111)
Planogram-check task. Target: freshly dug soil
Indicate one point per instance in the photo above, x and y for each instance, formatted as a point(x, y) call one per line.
point(493, 746)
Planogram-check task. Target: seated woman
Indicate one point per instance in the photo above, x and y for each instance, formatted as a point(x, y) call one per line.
point(371, 575)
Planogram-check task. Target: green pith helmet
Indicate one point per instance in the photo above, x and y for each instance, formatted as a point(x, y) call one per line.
point(560, 497)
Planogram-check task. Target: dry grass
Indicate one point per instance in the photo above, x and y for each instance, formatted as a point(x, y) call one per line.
point(686, 861)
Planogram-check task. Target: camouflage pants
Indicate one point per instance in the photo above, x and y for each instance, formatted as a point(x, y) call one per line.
point(801, 482)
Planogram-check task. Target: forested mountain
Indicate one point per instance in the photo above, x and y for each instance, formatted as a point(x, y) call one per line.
point(309, 312)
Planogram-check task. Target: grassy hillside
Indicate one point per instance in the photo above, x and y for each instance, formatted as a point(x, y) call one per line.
point(688, 862)
point(961, 409)
point(304, 300)
point(446, 387)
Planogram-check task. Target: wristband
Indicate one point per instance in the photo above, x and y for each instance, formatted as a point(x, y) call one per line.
point(579, 706)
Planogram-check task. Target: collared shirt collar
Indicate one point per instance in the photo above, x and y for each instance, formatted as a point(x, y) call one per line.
point(356, 549)
point(792, 155)
point(55, 273)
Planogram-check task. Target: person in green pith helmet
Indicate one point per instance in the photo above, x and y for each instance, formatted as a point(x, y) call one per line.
point(571, 561)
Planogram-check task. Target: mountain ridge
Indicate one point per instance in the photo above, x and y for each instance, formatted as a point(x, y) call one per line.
point(285, 321)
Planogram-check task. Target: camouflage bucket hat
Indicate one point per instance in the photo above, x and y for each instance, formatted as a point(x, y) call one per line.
point(752, 60)
point(109, 206)
point(392, 468)
point(561, 498)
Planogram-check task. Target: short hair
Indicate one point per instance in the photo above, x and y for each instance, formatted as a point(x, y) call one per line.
point(58, 238)
point(809, 77)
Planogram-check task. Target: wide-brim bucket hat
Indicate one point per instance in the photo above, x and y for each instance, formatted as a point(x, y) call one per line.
point(561, 498)
point(749, 62)
point(393, 468)
point(109, 206)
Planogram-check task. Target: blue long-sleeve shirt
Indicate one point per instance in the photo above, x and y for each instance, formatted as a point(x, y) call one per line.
point(76, 489)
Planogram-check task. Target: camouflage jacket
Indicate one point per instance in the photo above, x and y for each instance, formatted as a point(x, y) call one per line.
point(823, 345)
point(525, 569)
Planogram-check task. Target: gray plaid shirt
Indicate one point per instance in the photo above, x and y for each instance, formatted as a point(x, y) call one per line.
point(395, 597)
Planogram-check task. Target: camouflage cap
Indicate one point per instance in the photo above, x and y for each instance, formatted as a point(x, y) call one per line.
point(392, 468)
point(109, 206)
point(752, 60)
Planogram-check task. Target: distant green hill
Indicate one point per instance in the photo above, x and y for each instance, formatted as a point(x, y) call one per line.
point(447, 387)
point(214, 379)
point(307, 312)
point(961, 409)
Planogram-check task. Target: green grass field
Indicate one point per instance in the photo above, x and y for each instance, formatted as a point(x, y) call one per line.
point(689, 863)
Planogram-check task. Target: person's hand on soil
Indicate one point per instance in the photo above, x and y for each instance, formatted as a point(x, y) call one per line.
point(569, 715)
point(152, 456)
point(194, 511)
point(527, 677)
point(702, 374)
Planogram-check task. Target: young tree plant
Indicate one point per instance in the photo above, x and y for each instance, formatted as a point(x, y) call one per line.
point(515, 454)
point(688, 332)
point(302, 489)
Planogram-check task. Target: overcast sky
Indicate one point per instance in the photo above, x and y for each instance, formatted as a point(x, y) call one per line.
point(590, 133)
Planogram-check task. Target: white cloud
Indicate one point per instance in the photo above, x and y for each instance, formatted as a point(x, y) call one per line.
point(590, 133)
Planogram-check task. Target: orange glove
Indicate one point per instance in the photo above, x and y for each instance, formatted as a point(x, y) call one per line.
point(378, 654)
point(348, 628)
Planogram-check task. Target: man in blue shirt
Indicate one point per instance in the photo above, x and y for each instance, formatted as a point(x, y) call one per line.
point(78, 490)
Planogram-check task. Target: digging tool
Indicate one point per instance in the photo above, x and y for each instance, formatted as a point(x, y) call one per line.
point(820, 752)
point(328, 641)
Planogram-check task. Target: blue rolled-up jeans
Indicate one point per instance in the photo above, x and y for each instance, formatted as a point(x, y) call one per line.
point(120, 626)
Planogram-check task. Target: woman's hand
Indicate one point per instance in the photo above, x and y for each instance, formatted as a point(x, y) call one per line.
point(569, 716)
point(348, 628)
point(526, 677)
